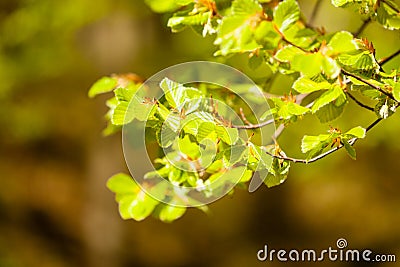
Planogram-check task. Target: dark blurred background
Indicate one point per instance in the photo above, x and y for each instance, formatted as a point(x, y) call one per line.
point(55, 210)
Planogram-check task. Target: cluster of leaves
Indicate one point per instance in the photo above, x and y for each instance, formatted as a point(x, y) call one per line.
point(327, 67)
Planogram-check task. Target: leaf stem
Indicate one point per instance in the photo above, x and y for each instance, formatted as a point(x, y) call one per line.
point(385, 60)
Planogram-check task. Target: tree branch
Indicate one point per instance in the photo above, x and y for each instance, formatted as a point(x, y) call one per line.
point(362, 27)
point(385, 60)
point(359, 103)
point(315, 11)
point(370, 84)
point(254, 126)
point(323, 155)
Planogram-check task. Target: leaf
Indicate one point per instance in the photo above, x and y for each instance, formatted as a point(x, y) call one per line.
point(162, 6)
point(310, 142)
point(287, 53)
point(234, 154)
point(363, 60)
point(133, 202)
point(307, 85)
point(342, 42)
point(122, 184)
point(123, 114)
point(277, 173)
point(286, 14)
point(396, 91)
point(350, 150)
point(103, 85)
point(332, 94)
point(259, 156)
point(330, 67)
point(169, 213)
point(357, 132)
point(206, 130)
point(176, 94)
point(255, 62)
point(236, 31)
point(178, 23)
point(386, 16)
point(331, 111)
point(245, 7)
point(187, 147)
point(308, 64)
point(340, 3)
point(228, 135)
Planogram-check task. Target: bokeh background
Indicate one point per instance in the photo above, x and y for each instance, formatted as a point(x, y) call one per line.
point(55, 210)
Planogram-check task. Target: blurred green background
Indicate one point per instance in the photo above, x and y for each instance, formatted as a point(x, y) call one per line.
point(55, 210)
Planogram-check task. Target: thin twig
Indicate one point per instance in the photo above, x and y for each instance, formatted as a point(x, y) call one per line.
point(315, 11)
point(391, 6)
point(370, 84)
point(359, 103)
point(362, 27)
point(385, 60)
point(323, 155)
point(254, 126)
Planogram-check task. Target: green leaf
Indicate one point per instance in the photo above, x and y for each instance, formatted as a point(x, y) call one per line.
point(259, 157)
point(277, 173)
point(363, 60)
point(245, 7)
point(330, 67)
point(340, 3)
point(308, 64)
point(228, 135)
point(178, 23)
point(234, 154)
point(386, 16)
point(308, 85)
point(103, 85)
point(169, 213)
point(342, 42)
point(187, 147)
point(396, 91)
point(162, 6)
point(310, 142)
point(330, 112)
point(286, 14)
point(133, 202)
point(177, 95)
point(350, 150)
point(357, 132)
point(287, 53)
point(123, 114)
point(331, 95)
point(206, 130)
point(236, 31)
point(122, 184)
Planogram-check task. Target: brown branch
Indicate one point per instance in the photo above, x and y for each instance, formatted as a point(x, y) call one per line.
point(362, 27)
point(385, 60)
point(254, 126)
point(370, 84)
point(315, 11)
point(359, 103)
point(323, 155)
